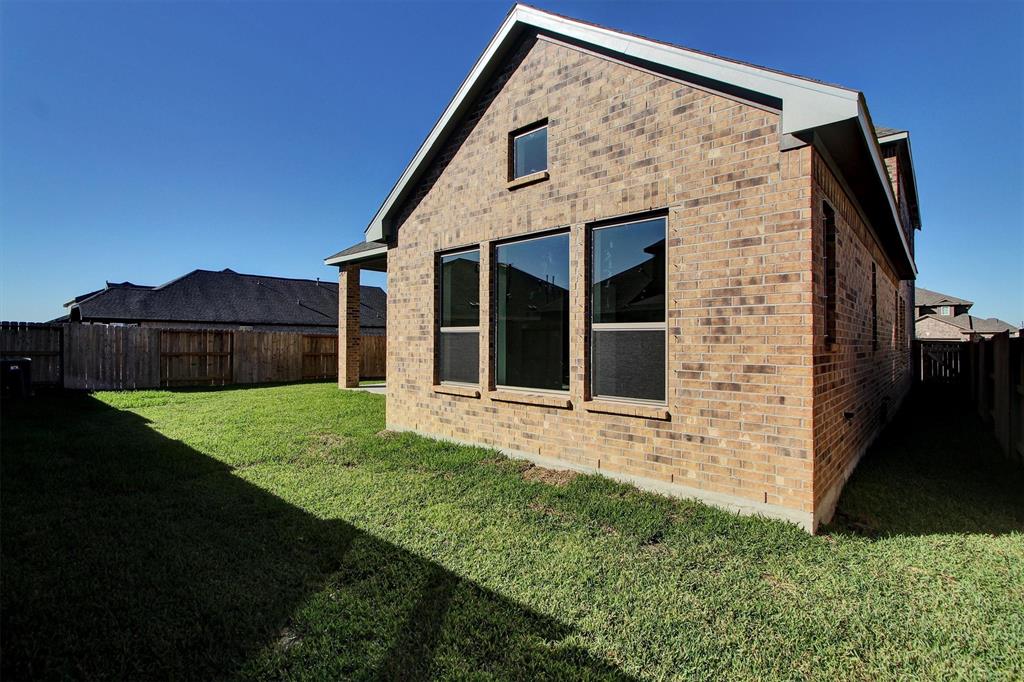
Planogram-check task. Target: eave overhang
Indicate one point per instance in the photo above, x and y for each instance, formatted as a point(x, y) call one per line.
point(904, 137)
point(368, 259)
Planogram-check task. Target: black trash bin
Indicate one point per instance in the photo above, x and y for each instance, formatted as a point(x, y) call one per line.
point(15, 377)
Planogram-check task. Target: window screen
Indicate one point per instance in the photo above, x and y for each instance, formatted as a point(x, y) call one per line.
point(458, 347)
point(530, 152)
point(629, 363)
point(459, 357)
point(532, 313)
point(829, 256)
point(628, 310)
point(874, 307)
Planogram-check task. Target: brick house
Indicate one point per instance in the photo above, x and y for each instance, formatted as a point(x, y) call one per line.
point(617, 255)
point(941, 317)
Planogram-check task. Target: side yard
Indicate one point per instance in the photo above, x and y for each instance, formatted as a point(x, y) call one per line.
point(280, 532)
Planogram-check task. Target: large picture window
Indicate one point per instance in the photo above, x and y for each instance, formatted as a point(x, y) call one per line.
point(458, 352)
point(532, 313)
point(628, 332)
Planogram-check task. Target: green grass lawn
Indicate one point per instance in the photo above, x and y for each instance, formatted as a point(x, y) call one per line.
point(279, 532)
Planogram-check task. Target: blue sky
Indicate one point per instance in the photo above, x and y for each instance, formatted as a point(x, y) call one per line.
point(140, 141)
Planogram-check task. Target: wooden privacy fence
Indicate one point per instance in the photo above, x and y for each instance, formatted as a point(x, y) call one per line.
point(44, 343)
point(991, 372)
point(940, 361)
point(100, 356)
point(374, 358)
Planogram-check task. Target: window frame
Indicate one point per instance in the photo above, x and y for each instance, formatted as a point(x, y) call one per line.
point(874, 306)
point(592, 326)
point(831, 272)
point(493, 311)
point(521, 132)
point(438, 262)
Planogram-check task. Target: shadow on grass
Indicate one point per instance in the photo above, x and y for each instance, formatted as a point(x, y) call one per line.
point(937, 468)
point(129, 555)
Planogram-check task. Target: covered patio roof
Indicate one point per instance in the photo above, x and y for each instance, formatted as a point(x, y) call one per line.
point(367, 255)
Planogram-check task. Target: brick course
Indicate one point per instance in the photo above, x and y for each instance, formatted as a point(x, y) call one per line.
point(742, 423)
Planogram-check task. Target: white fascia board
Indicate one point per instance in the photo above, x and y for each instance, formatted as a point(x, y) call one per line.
point(896, 137)
point(893, 138)
point(806, 104)
point(362, 255)
point(876, 156)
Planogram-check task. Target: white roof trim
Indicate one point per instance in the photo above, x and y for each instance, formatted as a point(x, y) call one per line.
point(382, 250)
point(876, 156)
point(894, 137)
point(806, 104)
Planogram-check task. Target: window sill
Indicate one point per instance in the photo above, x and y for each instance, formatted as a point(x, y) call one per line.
point(464, 391)
point(539, 176)
point(531, 399)
point(627, 409)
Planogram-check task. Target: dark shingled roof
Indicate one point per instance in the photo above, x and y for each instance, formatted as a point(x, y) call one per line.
point(357, 248)
point(931, 298)
point(230, 298)
point(885, 131)
point(970, 323)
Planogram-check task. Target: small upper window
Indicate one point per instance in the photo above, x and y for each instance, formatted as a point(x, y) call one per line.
point(530, 151)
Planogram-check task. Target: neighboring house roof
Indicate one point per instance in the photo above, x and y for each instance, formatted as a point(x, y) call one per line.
point(885, 131)
point(970, 324)
point(927, 297)
point(833, 118)
point(228, 297)
point(991, 325)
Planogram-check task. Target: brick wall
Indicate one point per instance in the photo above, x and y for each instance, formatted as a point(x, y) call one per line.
point(740, 329)
point(894, 163)
point(930, 328)
point(857, 386)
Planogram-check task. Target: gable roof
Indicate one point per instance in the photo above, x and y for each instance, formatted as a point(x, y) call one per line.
point(927, 297)
point(831, 117)
point(885, 132)
point(900, 138)
point(972, 324)
point(991, 324)
point(231, 298)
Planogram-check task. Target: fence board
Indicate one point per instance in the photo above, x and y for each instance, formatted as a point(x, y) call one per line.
point(102, 357)
point(373, 364)
point(991, 372)
point(40, 342)
point(99, 356)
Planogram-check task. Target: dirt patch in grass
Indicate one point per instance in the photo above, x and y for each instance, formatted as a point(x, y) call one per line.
point(779, 583)
point(558, 477)
point(387, 434)
point(326, 448)
point(547, 510)
point(503, 463)
point(325, 442)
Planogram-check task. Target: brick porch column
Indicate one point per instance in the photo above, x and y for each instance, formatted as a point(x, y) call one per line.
point(349, 347)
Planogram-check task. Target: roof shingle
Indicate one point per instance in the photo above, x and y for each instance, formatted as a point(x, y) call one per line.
point(229, 297)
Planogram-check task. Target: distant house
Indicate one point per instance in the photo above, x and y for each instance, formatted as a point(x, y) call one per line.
point(941, 317)
point(226, 299)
